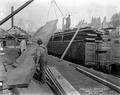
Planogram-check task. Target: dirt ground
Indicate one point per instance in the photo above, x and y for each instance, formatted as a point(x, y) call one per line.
point(11, 54)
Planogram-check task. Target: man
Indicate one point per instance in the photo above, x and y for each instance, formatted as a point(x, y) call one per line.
point(23, 45)
point(68, 22)
point(41, 60)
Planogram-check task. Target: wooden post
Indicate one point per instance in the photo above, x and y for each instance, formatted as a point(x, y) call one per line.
point(62, 35)
point(69, 44)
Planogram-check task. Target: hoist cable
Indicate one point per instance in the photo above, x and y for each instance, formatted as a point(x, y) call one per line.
point(55, 11)
point(53, 1)
point(58, 7)
point(49, 11)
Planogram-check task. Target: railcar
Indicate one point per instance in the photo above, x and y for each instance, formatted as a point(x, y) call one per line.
point(82, 49)
point(90, 48)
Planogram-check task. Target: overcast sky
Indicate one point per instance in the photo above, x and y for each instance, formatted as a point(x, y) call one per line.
point(36, 13)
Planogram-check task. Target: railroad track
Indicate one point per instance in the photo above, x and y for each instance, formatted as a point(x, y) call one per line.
point(116, 75)
point(51, 81)
point(59, 84)
point(108, 83)
point(54, 85)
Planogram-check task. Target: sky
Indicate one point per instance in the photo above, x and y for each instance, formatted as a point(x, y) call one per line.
point(36, 14)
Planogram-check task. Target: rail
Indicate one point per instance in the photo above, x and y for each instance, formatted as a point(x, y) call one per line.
point(61, 85)
point(99, 79)
point(53, 83)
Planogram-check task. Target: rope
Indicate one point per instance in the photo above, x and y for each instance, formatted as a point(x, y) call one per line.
point(54, 2)
point(49, 11)
point(58, 7)
point(55, 11)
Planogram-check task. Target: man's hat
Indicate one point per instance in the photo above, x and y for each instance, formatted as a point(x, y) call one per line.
point(39, 41)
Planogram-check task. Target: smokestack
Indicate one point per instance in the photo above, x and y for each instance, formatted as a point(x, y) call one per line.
point(12, 18)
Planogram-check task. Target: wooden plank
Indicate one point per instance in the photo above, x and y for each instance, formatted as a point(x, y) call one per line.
point(35, 88)
point(2, 71)
point(90, 53)
point(22, 75)
point(68, 88)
